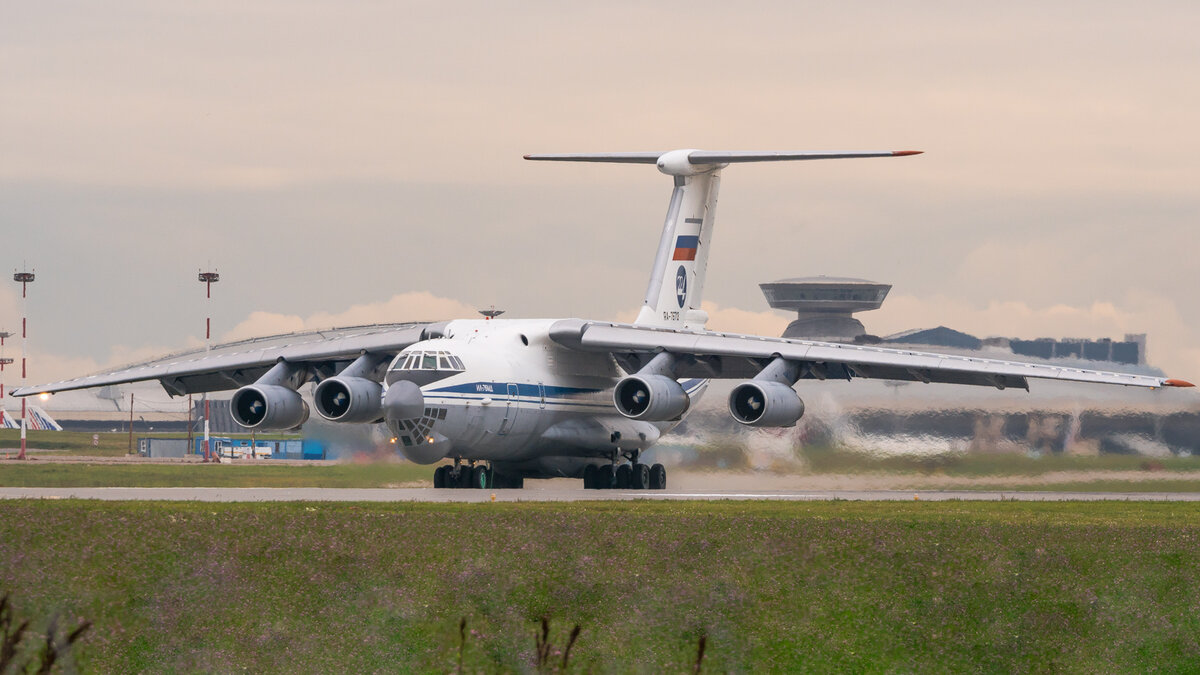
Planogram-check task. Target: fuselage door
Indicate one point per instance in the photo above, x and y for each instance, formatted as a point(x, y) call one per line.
point(510, 409)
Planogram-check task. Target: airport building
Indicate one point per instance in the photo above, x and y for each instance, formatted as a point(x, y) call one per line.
point(825, 306)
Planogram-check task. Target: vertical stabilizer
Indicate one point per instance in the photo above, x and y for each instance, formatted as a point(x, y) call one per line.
point(677, 279)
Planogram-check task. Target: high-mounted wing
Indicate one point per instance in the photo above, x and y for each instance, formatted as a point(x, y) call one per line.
point(725, 355)
point(236, 364)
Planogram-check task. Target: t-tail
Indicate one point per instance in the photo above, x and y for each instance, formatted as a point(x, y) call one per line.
point(676, 286)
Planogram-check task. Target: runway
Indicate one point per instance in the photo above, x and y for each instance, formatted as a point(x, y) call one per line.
point(559, 493)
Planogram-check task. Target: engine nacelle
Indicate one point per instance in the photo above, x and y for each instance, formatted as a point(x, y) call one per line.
point(354, 400)
point(758, 403)
point(269, 407)
point(654, 398)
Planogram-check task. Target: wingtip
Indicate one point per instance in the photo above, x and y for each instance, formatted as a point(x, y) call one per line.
point(906, 153)
point(1177, 383)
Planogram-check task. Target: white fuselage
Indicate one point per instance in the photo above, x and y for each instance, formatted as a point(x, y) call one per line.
point(503, 391)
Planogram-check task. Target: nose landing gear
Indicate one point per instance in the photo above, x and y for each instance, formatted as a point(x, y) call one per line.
point(473, 475)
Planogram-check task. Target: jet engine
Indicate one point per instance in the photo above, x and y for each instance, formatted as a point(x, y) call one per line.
point(654, 398)
point(759, 403)
point(269, 407)
point(352, 400)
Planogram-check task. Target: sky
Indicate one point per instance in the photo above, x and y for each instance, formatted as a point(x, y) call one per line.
point(343, 163)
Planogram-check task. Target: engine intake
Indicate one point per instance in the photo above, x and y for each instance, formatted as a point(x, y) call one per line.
point(351, 400)
point(268, 406)
point(655, 398)
point(757, 403)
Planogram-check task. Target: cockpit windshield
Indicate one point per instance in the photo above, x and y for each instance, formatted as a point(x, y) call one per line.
point(443, 361)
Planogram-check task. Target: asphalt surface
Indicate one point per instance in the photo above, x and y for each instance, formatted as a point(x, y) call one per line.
point(555, 491)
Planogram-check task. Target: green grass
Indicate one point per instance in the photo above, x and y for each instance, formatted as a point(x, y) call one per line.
point(782, 587)
point(823, 459)
point(258, 474)
point(1157, 484)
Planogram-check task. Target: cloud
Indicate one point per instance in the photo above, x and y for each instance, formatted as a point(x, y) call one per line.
point(412, 306)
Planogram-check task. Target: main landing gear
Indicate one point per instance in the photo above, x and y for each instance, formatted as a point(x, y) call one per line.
point(631, 476)
point(478, 476)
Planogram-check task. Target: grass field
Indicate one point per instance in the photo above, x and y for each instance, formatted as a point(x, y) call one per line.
point(263, 473)
point(818, 587)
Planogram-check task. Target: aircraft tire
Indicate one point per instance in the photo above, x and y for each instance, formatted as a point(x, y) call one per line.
point(439, 476)
point(589, 477)
point(624, 477)
point(604, 477)
point(463, 479)
point(640, 479)
point(658, 477)
point(481, 478)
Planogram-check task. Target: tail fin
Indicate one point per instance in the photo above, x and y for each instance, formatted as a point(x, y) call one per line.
point(677, 279)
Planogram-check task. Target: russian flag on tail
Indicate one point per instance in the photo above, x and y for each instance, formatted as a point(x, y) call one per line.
point(685, 247)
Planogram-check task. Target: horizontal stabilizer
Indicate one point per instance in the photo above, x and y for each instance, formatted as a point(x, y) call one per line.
point(614, 157)
point(703, 157)
point(718, 157)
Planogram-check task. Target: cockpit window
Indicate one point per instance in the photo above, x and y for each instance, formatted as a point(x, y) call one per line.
point(440, 361)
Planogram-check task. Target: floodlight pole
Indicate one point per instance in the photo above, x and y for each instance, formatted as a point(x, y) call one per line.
point(24, 278)
point(208, 279)
point(4, 361)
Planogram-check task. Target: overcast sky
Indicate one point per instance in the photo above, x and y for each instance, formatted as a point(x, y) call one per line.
point(357, 162)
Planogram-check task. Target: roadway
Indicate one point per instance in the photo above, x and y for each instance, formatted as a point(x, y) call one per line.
point(556, 491)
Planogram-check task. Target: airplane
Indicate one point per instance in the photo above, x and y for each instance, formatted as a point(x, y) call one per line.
point(505, 400)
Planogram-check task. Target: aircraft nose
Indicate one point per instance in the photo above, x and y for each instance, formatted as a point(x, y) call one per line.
point(403, 401)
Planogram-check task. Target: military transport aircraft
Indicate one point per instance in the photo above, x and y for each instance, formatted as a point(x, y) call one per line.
point(506, 400)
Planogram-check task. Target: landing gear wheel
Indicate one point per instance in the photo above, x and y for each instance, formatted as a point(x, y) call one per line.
point(589, 477)
point(604, 477)
point(640, 479)
point(481, 478)
point(463, 479)
point(439, 476)
point(624, 476)
point(658, 477)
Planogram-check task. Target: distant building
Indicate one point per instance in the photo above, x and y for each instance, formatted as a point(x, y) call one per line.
point(940, 337)
point(825, 306)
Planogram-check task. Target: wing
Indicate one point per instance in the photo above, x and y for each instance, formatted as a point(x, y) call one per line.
point(236, 364)
point(725, 355)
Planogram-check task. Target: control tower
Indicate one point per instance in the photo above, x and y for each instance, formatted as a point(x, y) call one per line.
point(825, 306)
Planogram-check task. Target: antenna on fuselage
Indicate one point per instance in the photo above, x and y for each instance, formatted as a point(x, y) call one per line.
point(491, 313)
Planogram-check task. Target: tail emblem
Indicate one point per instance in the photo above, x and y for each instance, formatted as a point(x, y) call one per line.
point(681, 285)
